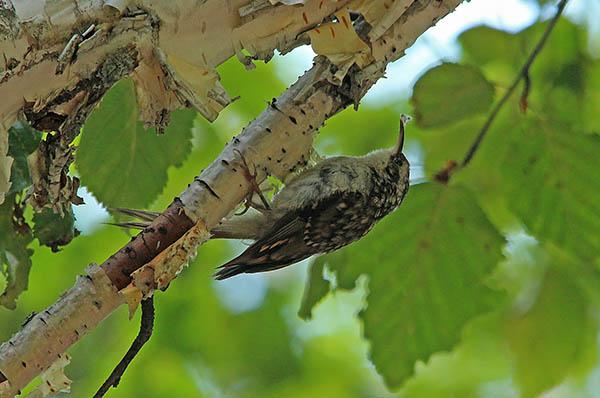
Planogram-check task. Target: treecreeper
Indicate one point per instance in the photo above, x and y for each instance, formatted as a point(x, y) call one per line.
point(321, 209)
point(324, 208)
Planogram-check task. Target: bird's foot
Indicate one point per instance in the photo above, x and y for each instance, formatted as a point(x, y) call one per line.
point(255, 188)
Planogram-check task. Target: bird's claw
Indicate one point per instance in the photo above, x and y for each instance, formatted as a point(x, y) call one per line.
point(255, 188)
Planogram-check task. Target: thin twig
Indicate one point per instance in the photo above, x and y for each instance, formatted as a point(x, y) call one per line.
point(523, 101)
point(523, 74)
point(146, 326)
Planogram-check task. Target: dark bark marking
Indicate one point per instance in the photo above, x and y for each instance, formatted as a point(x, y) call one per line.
point(205, 184)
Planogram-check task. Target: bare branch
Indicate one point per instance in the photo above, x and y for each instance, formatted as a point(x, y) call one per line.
point(146, 326)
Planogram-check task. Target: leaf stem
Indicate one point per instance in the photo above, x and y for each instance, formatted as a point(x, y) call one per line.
point(523, 74)
point(146, 326)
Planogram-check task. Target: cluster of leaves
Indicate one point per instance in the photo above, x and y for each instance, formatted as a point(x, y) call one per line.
point(492, 277)
point(50, 229)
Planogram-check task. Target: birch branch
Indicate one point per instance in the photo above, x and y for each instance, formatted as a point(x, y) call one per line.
point(277, 141)
point(61, 56)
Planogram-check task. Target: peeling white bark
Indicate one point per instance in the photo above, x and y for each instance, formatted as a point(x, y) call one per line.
point(200, 35)
point(276, 142)
point(54, 49)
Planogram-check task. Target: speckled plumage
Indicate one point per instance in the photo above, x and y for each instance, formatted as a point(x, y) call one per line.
point(321, 210)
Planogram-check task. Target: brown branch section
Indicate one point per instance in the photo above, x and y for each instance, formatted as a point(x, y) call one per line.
point(164, 231)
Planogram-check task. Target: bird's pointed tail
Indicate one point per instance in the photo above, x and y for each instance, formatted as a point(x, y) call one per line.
point(145, 218)
point(229, 271)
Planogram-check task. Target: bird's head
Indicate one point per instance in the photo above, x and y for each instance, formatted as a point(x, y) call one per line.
point(396, 154)
point(391, 161)
point(398, 165)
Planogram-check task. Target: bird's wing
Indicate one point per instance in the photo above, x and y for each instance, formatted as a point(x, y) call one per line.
point(316, 228)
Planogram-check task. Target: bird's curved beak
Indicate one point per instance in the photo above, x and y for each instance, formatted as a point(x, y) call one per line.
point(404, 119)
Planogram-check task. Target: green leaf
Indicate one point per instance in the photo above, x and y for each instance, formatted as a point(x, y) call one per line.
point(482, 45)
point(15, 261)
point(550, 174)
point(591, 100)
point(427, 264)
point(121, 162)
point(449, 93)
point(565, 46)
point(552, 337)
point(316, 288)
point(22, 141)
point(562, 76)
point(54, 230)
point(481, 357)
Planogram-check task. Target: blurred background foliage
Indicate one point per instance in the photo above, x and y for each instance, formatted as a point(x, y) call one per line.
point(486, 287)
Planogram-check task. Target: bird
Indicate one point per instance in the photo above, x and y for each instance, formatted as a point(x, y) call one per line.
point(323, 208)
